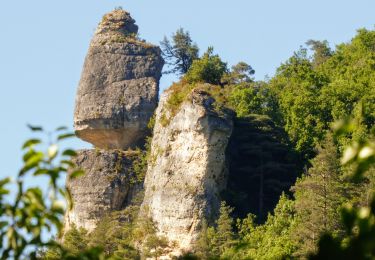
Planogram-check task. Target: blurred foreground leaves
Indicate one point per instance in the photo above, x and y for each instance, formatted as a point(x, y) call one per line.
point(29, 212)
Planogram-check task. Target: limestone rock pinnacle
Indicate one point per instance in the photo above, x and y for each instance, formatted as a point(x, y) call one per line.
point(119, 85)
point(183, 184)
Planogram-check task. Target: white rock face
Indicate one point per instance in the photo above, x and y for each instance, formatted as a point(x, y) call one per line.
point(187, 169)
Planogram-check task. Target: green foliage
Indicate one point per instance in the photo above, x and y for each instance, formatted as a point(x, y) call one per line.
point(297, 87)
point(262, 164)
point(181, 91)
point(155, 246)
point(312, 93)
point(178, 93)
point(223, 235)
point(318, 198)
point(359, 243)
point(268, 241)
point(296, 225)
point(117, 235)
point(75, 242)
point(145, 234)
point(240, 73)
point(151, 123)
point(31, 211)
point(139, 167)
point(359, 222)
point(247, 99)
point(208, 69)
point(202, 246)
point(214, 241)
point(181, 53)
point(114, 233)
point(250, 98)
point(322, 51)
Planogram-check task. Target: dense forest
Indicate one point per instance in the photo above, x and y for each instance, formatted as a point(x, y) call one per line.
point(300, 175)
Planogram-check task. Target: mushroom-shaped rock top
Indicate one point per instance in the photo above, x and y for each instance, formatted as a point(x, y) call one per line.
point(119, 85)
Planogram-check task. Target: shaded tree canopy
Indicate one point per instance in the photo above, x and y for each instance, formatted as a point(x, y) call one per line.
point(321, 50)
point(240, 73)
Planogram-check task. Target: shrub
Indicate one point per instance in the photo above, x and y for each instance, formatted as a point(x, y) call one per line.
point(209, 69)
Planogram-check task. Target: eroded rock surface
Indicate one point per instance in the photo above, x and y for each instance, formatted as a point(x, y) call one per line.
point(118, 90)
point(187, 170)
point(108, 184)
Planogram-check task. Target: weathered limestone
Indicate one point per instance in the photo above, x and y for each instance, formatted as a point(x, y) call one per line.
point(108, 184)
point(117, 95)
point(187, 168)
point(118, 90)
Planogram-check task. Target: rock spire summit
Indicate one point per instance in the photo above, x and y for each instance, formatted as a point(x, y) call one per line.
point(118, 90)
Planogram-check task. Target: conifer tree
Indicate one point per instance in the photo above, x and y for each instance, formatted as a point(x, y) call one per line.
point(202, 247)
point(219, 237)
point(319, 195)
point(180, 52)
point(224, 237)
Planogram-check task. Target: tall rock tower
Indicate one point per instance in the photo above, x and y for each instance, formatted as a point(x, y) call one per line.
point(188, 171)
point(118, 90)
point(116, 97)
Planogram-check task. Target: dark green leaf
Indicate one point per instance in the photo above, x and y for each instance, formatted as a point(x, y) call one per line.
point(3, 224)
point(35, 128)
point(64, 136)
point(69, 152)
point(28, 154)
point(69, 199)
point(31, 142)
point(4, 181)
point(76, 173)
point(32, 162)
point(40, 172)
point(61, 128)
point(3, 191)
point(68, 163)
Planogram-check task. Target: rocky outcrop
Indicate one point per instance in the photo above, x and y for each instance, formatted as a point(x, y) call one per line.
point(118, 90)
point(109, 184)
point(187, 170)
point(117, 95)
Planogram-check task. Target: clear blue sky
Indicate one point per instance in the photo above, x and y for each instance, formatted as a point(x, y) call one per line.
point(43, 44)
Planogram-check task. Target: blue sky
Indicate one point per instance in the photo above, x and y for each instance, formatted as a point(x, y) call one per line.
point(43, 44)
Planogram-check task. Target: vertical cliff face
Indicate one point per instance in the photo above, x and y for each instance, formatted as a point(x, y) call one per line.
point(187, 170)
point(108, 184)
point(118, 90)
